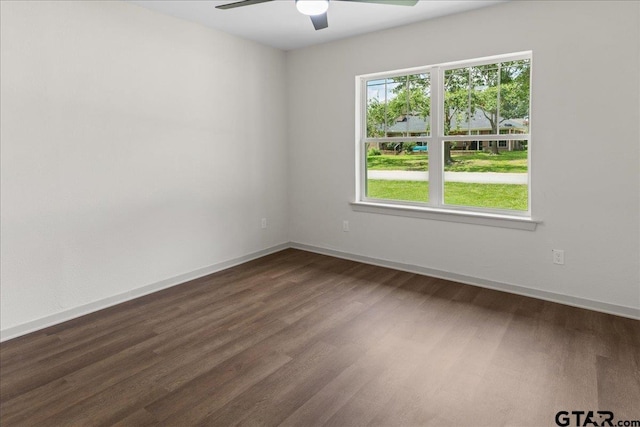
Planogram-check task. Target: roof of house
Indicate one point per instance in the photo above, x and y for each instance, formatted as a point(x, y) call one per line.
point(410, 123)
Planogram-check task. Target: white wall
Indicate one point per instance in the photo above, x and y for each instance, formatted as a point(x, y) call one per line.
point(135, 148)
point(584, 149)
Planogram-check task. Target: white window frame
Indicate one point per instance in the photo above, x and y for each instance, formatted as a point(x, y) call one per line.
point(435, 207)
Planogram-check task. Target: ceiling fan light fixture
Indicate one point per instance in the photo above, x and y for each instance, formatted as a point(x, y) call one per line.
point(312, 7)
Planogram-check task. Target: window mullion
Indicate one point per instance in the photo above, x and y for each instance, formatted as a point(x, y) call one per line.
point(361, 161)
point(435, 147)
point(498, 100)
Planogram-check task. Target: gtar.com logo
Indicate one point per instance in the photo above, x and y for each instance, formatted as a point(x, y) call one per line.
point(584, 418)
point(591, 418)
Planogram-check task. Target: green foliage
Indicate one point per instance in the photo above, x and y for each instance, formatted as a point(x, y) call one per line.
point(456, 98)
point(410, 101)
point(408, 147)
point(499, 91)
point(373, 152)
point(376, 118)
point(407, 95)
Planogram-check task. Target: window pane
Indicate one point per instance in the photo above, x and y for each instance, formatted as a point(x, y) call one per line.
point(376, 108)
point(409, 106)
point(398, 106)
point(398, 171)
point(484, 99)
point(514, 96)
point(457, 98)
point(419, 105)
point(487, 100)
point(475, 176)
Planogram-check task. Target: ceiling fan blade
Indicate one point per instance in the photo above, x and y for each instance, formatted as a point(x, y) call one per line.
point(391, 2)
point(320, 21)
point(240, 4)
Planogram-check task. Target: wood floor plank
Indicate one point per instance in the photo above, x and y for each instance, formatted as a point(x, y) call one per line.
point(301, 339)
point(277, 396)
point(334, 395)
point(140, 418)
point(17, 410)
point(206, 393)
point(19, 383)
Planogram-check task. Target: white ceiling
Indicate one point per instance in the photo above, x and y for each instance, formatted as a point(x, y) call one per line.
point(280, 25)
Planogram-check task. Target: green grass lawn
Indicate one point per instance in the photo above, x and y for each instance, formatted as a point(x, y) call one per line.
point(498, 196)
point(470, 161)
point(505, 162)
point(401, 162)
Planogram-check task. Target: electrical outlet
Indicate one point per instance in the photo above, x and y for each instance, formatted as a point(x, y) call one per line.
point(345, 226)
point(558, 256)
point(264, 222)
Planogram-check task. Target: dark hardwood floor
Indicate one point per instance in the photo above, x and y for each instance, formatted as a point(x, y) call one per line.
point(301, 339)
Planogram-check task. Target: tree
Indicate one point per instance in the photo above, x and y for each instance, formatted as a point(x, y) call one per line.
point(456, 104)
point(412, 98)
point(409, 96)
point(501, 92)
point(376, 118)
point(498, 91)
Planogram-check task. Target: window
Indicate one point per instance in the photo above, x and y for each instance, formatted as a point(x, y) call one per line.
point(450, 137)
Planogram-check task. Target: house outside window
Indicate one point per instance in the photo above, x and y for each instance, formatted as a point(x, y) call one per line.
point(450, 136)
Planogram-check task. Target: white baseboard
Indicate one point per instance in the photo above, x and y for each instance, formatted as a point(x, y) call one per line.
point(604, 307)
point(63, 316)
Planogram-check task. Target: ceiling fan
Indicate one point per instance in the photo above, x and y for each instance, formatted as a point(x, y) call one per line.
point(317, 9)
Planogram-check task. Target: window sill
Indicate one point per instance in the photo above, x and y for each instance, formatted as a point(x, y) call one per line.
point(450, 215)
